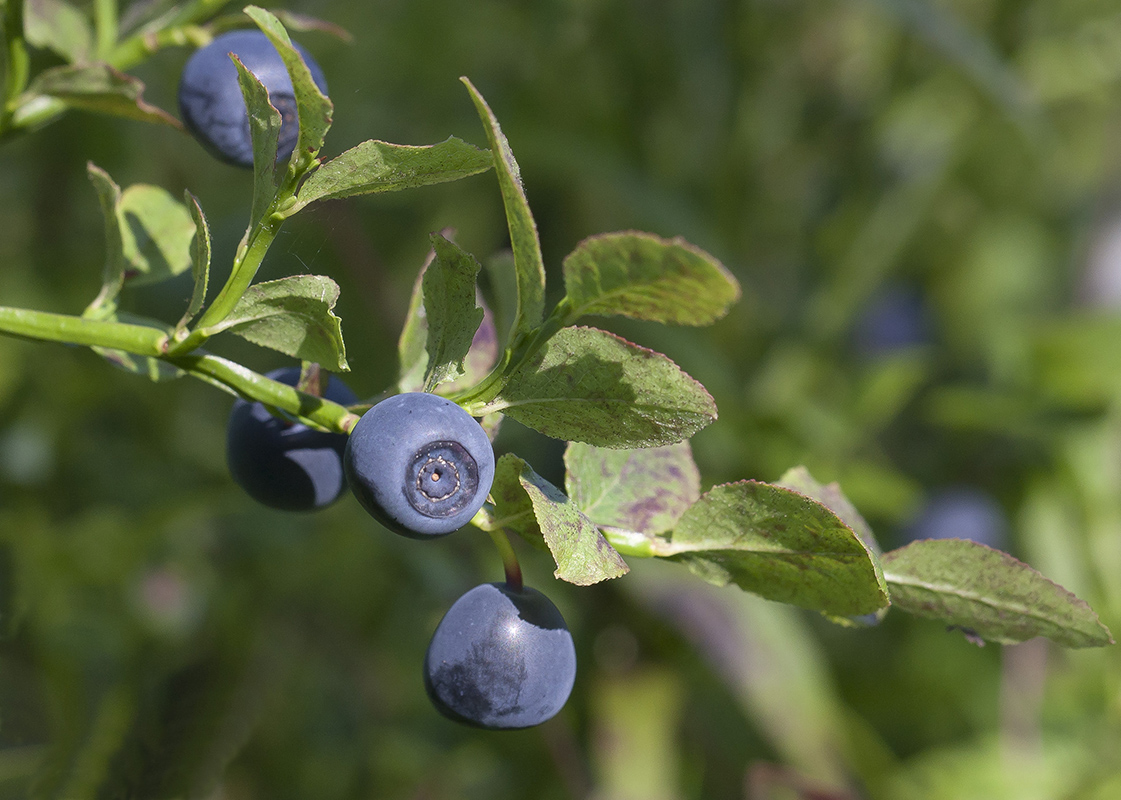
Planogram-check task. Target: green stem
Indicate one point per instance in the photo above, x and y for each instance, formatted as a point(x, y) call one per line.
point(245, 266)
point(17, 62)
point(138, 48)
point(639, 545)
point(190, 13)
point(244, 270)
point(510, 563)
point(476, 399)
point(19, 114)
point(152, 342)
point(254, 386)
point(105, 25)
point(42, 325)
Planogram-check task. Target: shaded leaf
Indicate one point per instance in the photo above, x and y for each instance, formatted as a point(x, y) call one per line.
point(513, 509)
point(643, 276)
point(100, 88)
point(645, 491)
point(581, 553)
point(587, 385)
point(780, 545)
point(113, 274)
point(58, 26)
point(312, 106)
point(529, 266)
point(373, 167)
point(411, 345)
point(200, 262)
point(156, 234)
point(292, 315)
point(830, 495)
point(264, 133)
point(412, 355)
point(967, 584)
point(451, 313)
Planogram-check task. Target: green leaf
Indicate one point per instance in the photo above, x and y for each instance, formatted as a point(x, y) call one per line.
point(200, 263)
point(411, 346)
point(450, 311)
point(100, 88)
point(412, 355)
point(156, 234)
point(988, 592)
point(264, 132)
point(147, 235)
point(582, 555)
point(312, 106)
point(780, 545)
point(512, 508)
point(113, 275)
point(831, 496)
point(643, 276)
point(302, 22)
point(529, 266)
point(587, 385)
point(373, 167)
point(292, 315)
point(483, 354)
point(58, 26)
point(644, 491)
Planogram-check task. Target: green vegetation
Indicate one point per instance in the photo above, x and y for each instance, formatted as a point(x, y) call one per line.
point(165, 636)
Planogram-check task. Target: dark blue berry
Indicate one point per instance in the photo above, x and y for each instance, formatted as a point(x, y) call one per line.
point(420, 464)
point(211, 103)
point(896, 318)
point(500, 659)
point(961, 512)
point(285, 464)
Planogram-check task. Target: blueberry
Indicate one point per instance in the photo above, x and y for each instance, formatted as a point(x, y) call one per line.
point(896, 318)
point(286, 465)
point(211, 103)
point(420, 464)
point(500, 658)
point(961, 512)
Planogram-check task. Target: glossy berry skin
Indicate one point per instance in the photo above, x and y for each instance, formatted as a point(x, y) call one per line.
point(286, 465)
point(420, 464)
point(211, 103)
point(500, 659)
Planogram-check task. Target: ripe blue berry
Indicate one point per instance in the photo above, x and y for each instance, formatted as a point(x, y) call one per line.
point(282, 464)
point(211, 103)
point(961, 512)
point(896, 318)
point(420, 464)
point(500, 658)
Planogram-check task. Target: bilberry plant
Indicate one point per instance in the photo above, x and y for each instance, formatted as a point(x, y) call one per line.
point(420, 461)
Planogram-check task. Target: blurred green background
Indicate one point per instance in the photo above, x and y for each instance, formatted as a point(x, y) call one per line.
point(922, 201)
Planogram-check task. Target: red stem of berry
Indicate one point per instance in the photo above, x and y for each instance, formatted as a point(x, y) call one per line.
point(509, 560)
